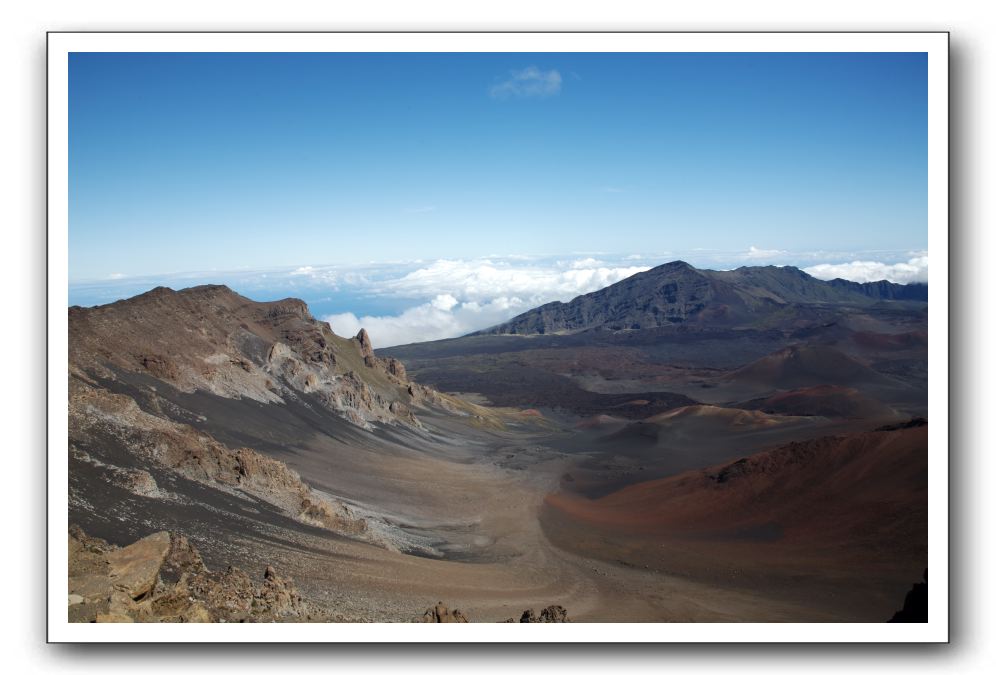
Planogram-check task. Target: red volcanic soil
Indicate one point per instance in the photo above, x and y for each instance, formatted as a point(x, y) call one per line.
point(827, 400)
point(808, 365)
point(810, 489)
point(838, 522)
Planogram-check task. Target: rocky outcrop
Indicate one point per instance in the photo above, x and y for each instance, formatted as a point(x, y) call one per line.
point(162, 579)
point(442, 614)
point(211, 339)
point(160, 366)
point(366, 347)
point(136, 481)
point(551, 614)
point(396, 369)
point(135, 569)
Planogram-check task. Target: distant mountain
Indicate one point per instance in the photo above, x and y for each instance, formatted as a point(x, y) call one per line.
point(677, 293)
point(884, 290)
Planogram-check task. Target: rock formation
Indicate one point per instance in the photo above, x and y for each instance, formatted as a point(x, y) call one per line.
point(211, 339)
point(366, 347)
point(442, 614)
point(551, 614)
point(162, 579)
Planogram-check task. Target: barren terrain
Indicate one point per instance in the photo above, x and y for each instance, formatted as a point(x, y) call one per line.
point(726, 472)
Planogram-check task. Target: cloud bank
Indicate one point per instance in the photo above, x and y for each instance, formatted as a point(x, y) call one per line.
point(442, 317)
point(407, 301)
point(529, 82)
point(471, 295)
point(912, 271)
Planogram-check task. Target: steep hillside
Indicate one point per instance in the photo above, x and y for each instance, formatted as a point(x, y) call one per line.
point(210, 339)
point(205, 412)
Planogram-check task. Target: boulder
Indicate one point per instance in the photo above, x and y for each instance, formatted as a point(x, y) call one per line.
point(135, 568)
point(551, 614)
point(554, 614)
point(182, 558)
point(441, 614)
point(396, 368)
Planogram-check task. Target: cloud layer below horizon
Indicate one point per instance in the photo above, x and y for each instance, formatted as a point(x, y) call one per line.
point(471, 295)
point(413, 301)
point(913, 271)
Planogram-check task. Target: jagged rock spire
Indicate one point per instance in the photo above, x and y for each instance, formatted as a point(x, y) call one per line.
point(366, 348)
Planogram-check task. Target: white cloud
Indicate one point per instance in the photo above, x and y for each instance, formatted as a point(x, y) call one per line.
point(471, 295)
point(441, 318)
point(319, 275)
point(420, 209)
point(912, 271)
point(114, 276)
point(530, 82)
point(755, 253)
point(445, 302)
point(485, 280)
point(587, 264)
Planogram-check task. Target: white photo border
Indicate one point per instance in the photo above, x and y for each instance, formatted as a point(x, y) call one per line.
point(934, 44)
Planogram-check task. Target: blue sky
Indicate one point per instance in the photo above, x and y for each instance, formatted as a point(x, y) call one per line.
point(220, 166)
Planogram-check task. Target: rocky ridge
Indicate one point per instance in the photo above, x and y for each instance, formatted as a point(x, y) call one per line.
point(130, 362)
point(211, 339)
point(678, 293)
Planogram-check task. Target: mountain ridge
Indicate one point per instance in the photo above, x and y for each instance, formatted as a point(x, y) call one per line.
point(678, 293)
point(210, 338)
